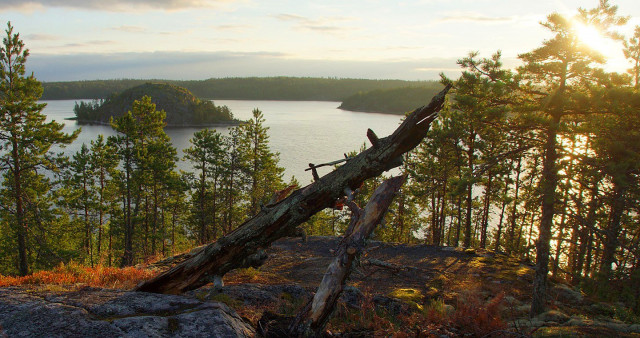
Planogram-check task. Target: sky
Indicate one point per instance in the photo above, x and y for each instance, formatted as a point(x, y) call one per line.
point(200, 39)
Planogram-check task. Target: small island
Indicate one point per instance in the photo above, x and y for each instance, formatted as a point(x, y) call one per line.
point(182, 107)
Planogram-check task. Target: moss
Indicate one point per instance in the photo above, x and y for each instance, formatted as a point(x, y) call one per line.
point(407, 294)
point(413, 297)
point(222, 298)
point(290, 305)
point(287, 297)
point(173, 324)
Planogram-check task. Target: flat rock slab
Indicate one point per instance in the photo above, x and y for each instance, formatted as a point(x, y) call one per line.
point(91, 312)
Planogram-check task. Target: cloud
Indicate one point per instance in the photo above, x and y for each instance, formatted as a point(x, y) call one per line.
point(474, 17)
point(232, 27)
point(324, 25)
point(112, 5)
point(197, 66)
point(42, 37)
point(89, 43)
point(130, 29)
point(291, 17)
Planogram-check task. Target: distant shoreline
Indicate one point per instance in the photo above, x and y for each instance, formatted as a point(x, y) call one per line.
point(217, 124)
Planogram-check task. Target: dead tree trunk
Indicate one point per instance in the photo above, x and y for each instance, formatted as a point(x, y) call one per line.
point(280, 219)
point(312, 320)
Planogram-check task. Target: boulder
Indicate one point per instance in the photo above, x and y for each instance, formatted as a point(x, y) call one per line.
point(91, 312)
point(256, 294)
point(602, 310)
point(448, 309)
point(565, 294)
point(352, 297)
point(393, 306)
point(553, 316)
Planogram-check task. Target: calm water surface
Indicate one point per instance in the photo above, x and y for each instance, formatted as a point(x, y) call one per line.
point(301, 131)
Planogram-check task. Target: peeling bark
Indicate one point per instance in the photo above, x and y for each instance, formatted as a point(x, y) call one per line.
point(312, 320)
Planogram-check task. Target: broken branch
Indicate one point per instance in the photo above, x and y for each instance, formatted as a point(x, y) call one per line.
point(312, 321)
point(280, 220)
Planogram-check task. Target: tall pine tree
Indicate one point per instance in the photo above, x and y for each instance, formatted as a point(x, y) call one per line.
point(26, 139)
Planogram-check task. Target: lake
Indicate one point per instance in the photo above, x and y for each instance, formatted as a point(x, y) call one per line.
point(301, 131)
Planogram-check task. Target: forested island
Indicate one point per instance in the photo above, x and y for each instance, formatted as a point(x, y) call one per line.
point(182, 108)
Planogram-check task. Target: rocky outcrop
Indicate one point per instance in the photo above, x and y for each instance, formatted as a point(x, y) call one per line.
point(91, 312)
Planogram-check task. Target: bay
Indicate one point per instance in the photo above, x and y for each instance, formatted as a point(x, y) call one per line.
point(301, 131)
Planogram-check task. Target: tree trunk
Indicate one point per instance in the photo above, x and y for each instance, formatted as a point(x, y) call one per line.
point(443, 199)
point(512, 226)
point(467, 226)
point(459, 224)
point(485, 215)
point(203, 222)
point(548, 184)
point(312, 320)
point(560, 236)
point(400, 217)
point(504, 205)
point(100, 214)
point(612, 232)
point(585, 235)
point(21, 228)
point(281, 219)
point(127, 257)
point(434, 219)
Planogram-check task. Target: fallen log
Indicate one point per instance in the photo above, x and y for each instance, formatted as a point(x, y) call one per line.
point(395, 268)
point(312, 320)
point(280, 219)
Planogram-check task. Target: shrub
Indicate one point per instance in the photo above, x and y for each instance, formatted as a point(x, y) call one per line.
point(475, 317)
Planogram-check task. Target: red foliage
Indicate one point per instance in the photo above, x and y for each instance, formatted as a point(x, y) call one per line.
point(72, 273)
point(473, 316)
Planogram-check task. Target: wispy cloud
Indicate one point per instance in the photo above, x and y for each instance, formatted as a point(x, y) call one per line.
point(42, 37)
point(129, 29)
point(232, 27)
point(475, 17)
point(89, 43)
point(291, 17)
point(112, 5)
point(324, 25)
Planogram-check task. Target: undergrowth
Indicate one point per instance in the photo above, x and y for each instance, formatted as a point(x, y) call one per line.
point(472, 317)
point(74, 273)
point(252, 275)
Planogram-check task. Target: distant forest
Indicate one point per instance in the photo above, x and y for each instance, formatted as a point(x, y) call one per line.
point(252, 88)
point(393, 100)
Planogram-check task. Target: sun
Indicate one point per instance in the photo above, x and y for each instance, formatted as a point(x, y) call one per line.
point(592, 37)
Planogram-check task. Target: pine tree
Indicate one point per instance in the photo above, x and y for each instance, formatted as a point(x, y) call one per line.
point(263, 173)
point(233, 181)
point(25, 136)
point(103, 162)
point(477, 109)
point(126, 126)
point(207, 155)
point(632, 52)
point(552, 74)
point(148, 158)
point(80, 198)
